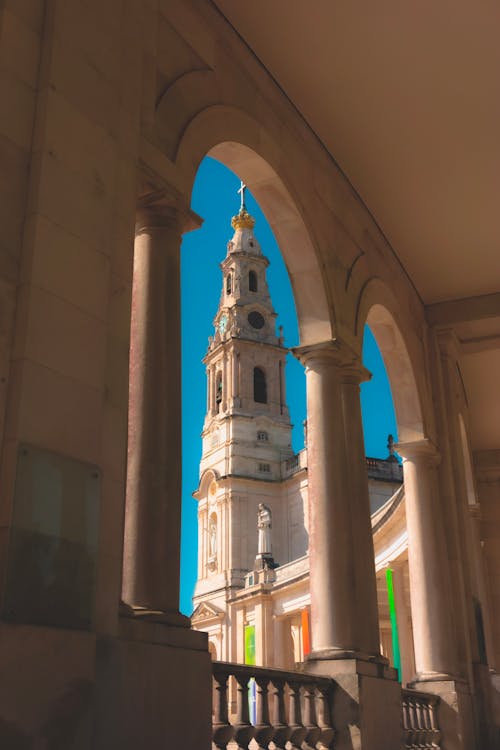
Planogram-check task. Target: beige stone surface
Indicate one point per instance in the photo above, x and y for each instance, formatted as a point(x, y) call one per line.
point(102, 101)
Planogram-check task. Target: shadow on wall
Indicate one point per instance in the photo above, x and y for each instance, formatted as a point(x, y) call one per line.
point(62, 729)
point(345, 719)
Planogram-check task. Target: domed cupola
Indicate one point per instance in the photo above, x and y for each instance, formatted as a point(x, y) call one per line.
point(244, 240)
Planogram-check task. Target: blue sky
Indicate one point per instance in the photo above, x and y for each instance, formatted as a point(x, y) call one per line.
point(216, 200)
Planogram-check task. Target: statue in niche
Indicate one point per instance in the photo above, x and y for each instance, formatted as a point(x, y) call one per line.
point(264, 523)
point(212, 539)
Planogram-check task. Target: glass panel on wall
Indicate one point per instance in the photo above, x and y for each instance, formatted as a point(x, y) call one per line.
point(51, 567)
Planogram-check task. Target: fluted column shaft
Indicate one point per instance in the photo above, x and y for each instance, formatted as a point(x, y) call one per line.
point(344, 618)
point(153, 503)
point(434, 642)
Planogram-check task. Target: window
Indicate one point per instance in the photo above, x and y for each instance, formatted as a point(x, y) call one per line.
point(218, 390)
point(252, 281)
point(259, 386)
point(228, 284)
point(265, 468)
point(262, 436)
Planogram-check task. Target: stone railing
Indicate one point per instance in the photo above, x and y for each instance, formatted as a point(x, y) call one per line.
point(420, 721)
point(292, 709)
point(387, 471)
point(293, 464)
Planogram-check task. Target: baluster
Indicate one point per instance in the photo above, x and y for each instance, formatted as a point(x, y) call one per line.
point(282, 731)
point(413, 724)
point(299, 731)
point(427, 723)
point(420, 739)
point(436, 732)
point(243, 730)
point(309, 720)
point(324, 719)
point(263, 729)
point(222, 731)
point(406, 725)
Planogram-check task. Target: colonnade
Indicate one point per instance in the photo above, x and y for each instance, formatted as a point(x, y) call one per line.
point(344, 615)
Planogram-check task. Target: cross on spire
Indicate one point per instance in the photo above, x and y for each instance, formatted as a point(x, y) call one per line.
point(242, 189)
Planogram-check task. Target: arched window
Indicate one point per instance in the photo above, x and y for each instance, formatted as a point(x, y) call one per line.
point(259, 386)
point(252, 281)
point(218, 390)
point(228, 284)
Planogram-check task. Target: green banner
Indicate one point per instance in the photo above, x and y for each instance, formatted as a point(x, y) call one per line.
point(249, 644)
point(396, 656)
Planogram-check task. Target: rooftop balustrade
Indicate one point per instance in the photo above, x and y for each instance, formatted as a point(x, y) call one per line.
point(377, 468)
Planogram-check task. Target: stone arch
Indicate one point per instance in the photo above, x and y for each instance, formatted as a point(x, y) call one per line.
point(235, 139)
point(379, 309)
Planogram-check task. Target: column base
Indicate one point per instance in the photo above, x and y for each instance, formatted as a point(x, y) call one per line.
point(421, 677)
point(144, 614)
point(455, 710)
point(336, 654)
point(367, 709)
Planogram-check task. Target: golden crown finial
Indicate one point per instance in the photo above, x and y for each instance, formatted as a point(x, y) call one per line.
point(242, 220)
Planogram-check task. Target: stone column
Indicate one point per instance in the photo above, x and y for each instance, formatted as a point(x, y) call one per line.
point(236, 364)
point(229, 379)
point(434, 642)
point(404, 624)
point(153, 502)
point(211, 371)
point(209, 387)
point(352, 375)
point(225, 382)
point(344, 619)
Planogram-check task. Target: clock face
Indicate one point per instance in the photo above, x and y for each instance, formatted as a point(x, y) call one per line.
point(255, 319)
point(223, 323)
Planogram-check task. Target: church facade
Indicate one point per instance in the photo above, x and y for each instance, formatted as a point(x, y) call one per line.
point(252, 595)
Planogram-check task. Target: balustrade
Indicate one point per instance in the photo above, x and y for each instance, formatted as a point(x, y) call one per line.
point(420, 724)
point(292, 709)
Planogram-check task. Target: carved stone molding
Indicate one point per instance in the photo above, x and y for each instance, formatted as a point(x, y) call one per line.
point(334, 353)
point(419, 450)
point(160, 204)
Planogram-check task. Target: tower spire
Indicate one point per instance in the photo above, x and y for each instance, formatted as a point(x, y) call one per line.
point(241, 191)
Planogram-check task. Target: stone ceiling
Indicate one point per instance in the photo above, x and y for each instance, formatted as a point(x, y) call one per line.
point(406, 98)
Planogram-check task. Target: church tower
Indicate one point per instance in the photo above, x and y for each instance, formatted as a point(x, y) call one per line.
point(247, 431)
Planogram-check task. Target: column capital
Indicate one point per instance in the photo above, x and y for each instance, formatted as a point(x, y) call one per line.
point(158, 209)
point(422, 450)
point(334, 353)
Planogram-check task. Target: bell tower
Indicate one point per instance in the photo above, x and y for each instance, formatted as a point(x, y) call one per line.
point(245, 366)
point(247, 431)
